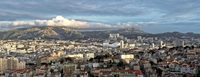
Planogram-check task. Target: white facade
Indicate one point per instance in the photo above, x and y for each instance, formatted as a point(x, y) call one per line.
point(127, 56)
point(89, 55)
point(75, 56)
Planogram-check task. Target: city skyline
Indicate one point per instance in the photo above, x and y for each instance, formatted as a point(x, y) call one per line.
point(153, 16)
point(99, 38)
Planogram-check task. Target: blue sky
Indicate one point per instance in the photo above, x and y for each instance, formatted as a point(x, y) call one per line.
point(151, 15)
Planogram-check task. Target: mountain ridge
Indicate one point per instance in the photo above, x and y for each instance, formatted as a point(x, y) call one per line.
point(68, 33)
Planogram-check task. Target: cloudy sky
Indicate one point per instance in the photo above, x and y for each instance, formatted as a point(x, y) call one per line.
point(150, 15)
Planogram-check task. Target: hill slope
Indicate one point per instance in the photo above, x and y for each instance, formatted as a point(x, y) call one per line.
point(41, 33)
point(66, 33)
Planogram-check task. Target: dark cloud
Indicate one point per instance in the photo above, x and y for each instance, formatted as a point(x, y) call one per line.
point(162, 12)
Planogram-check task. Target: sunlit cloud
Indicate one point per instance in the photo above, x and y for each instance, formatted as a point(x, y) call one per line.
point(61, 21)
point(143, 12)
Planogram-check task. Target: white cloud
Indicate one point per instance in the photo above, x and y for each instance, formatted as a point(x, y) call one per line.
point(60, 21)
point(21, 23)
point(57, 21)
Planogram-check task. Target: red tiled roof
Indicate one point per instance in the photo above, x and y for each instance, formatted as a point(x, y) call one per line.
point(137, 72)
point(21, 70)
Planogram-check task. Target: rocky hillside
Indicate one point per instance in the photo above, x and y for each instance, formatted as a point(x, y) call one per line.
point(41, 33)
point(66, 33)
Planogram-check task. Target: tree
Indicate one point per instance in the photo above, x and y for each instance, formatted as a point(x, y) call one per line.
point(120, 64)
